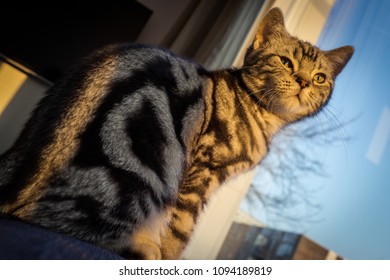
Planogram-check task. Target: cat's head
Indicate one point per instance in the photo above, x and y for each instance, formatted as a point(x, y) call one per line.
point(290, 78)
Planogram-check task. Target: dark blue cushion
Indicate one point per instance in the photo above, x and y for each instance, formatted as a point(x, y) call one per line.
point(24, 241)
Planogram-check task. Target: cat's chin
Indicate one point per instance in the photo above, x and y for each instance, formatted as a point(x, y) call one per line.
point(291, 108)
point(296, 104)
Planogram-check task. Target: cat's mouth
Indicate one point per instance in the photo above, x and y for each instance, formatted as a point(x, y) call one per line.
point(300, 98)
point(302, 95)
point(296, 100)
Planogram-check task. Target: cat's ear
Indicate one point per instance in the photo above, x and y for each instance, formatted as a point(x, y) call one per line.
point(339, 58)
point(272, 23)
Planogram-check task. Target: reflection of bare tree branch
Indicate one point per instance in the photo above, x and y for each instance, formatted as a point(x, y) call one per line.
point(292, 159)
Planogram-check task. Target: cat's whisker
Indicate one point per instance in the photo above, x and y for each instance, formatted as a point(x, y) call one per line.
point(255, 93)
point(337, 124)
point(323, 130)
point(338, 127)
point(273, 95)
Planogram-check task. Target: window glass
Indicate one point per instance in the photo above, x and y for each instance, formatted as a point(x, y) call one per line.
point(352, 189)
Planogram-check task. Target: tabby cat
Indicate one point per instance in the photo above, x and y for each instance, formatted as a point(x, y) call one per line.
point(127, 149)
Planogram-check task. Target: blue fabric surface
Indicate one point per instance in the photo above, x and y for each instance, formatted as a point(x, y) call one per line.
point(23, 241)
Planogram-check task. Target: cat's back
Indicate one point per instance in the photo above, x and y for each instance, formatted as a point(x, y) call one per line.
point(115, 93)
point(157, 67)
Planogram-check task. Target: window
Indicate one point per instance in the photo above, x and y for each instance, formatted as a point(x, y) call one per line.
point(353, 193)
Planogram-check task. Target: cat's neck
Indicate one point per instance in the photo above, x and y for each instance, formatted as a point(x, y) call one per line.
point(232, 93)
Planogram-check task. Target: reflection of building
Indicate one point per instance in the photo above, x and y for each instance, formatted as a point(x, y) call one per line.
point(261, 243)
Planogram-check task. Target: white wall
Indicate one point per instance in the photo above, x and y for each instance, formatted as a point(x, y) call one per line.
point(305, 18)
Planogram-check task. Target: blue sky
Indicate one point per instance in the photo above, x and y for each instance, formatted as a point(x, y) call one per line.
point(355, 195)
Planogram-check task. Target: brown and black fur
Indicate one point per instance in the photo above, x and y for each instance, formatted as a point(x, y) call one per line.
point(126, 151)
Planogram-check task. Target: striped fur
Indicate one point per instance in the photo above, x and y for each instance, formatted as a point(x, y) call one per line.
point(126, 151)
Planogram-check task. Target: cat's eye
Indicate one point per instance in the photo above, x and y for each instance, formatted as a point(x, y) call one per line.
point(319, 78)
point(286, 62)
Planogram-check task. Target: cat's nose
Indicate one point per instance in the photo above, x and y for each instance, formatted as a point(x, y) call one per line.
point(303, 80)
